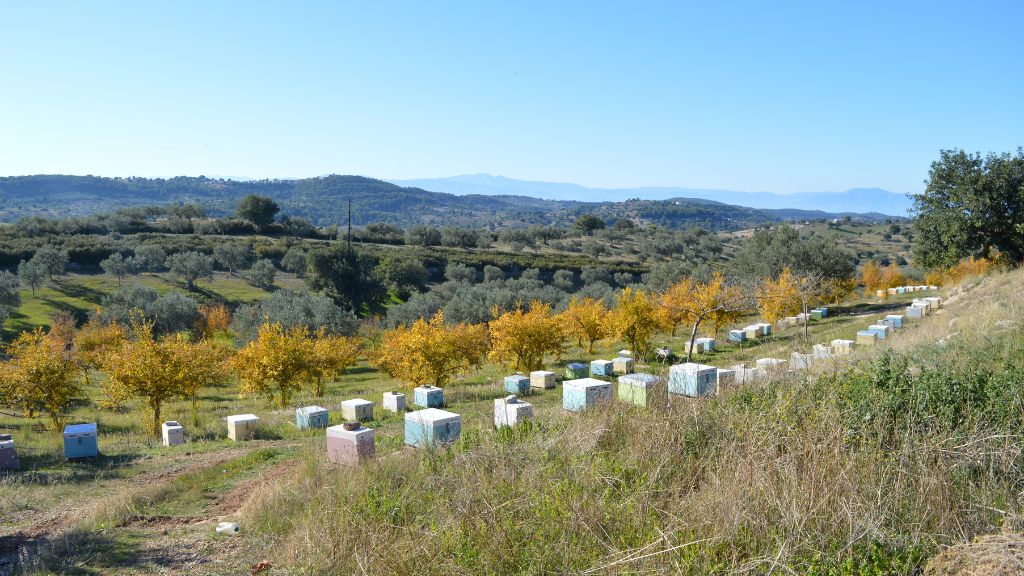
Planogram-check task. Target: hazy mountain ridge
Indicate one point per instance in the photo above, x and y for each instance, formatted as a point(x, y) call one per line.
point(324, 201)
point(857, 200)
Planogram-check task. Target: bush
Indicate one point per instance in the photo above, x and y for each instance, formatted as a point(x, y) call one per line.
point(293, 308)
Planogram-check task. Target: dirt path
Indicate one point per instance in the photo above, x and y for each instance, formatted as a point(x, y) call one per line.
point(59, 521)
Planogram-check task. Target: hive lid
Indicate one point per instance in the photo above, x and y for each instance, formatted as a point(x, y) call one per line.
point(355, 402)
point(394, 393)
point(5, 437)
point(76, 429)
point(172, 424)
point(311, 409)
point(584, 383)
point(429, 415)
point(690, 367)
point(242, 418)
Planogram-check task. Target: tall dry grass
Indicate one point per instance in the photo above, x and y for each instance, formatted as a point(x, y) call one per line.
point(799, 476)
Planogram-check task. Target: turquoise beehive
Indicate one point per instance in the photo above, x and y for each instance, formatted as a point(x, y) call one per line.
point(432, 427)
point(692, 379)
point(80, 441)
point(428, 396)
point(578, 395)
point(517, 384)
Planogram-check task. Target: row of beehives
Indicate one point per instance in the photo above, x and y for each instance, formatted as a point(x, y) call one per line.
point(761, 329)
point(903, 290)
point(919, 308)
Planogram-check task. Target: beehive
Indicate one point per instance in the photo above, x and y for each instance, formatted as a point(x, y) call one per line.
point(821, 351)
point(704, 344)
point(172, 433)
point(350, 443)
point(737, 336)
point(640, 389)
point(867, 337)
point(892, 291)
point(602, 368)
point(914, 312)
point(511, 411)
point(882, 330)
point(242, 426)
point(766, 328)
point(578, 395)
point(428, 396)
point(626, 353)
point(724, 378)
point(772, 364)
point(517, 384)
point(576, 370)
point(432, 427)
point(8, 456)
point(880, 293)
point(842, 346)
point(925, 305)
point(751, 332)
point(311, 417)
point(802, 318)
point(816, 314)
point(798, 361)
point(80, 441)
point(791, 321)
point(360, 410)
point(622, 365)
point(692, 379)
point(394, 402)
point(897, 320)
point(542, 379)
point(935, 302)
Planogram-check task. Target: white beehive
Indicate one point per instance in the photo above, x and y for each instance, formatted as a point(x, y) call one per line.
point(173, 433)
point(511, 411)
point(242, 426)
point(357, 409)
point(542, 379)
point(394, 401)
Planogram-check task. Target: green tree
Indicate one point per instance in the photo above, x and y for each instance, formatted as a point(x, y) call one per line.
point(971, 206)
point(294, 261)
point(262, 273)
point(769, 252)
point(53, 260)
point(588, 223)
point(32, 273)
point(346, 275)
point(260, 210)
point(150, 257)
point(233, 257)
point(191, 266)
point(401, 273)
point(118, 266)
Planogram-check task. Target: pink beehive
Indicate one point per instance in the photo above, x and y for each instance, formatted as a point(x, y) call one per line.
point(349, 443)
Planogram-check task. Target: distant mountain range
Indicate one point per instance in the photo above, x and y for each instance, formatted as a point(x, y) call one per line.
point(859, 200)
point(324, 201)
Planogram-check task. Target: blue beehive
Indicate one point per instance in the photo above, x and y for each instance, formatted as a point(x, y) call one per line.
point(578, 395)
point(428, 396)
point(897, 320)
point(704, 344)
point(602, 368)
point(824, 312)
point(517, 384)
point(80, 441)
point(737, 335)
point(311, 417)
point(881, 330)
point(692, 379)
point(432, 427)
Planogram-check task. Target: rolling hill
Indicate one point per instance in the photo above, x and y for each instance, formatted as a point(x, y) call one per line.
point(324, 201)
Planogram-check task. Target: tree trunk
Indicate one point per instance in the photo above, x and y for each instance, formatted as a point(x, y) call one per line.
point(319, 386)
point(156, 416)
point(693, 337)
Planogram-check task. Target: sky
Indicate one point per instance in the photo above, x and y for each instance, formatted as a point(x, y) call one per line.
point(753, 96)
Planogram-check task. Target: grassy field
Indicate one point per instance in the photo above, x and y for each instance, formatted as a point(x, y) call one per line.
point(142, 508)
point(81, 293)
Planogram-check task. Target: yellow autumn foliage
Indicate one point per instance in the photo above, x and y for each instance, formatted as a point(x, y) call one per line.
point(430, 352)
point(521, 338)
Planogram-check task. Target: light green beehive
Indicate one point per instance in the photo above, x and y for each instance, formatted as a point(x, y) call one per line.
point(640, 388)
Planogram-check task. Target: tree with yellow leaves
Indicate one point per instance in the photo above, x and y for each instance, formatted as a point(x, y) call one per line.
point(871, 278)
point(587, 320)
point(214, 319)
point(521, 338)
point(159, 370)
point(891, 277)
point(696, 302)
point(93, 341)
point(40, 376)
point(329, 356)
point(275, 359)
point(778, 298)
point(635, 318)
point(430, 352)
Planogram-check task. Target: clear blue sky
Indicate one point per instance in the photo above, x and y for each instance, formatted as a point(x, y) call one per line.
point(780, 96)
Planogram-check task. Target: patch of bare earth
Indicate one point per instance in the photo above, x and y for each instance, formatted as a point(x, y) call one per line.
point(991, 555)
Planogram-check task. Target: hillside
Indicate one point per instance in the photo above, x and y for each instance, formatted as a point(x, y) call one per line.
point(324, 201)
